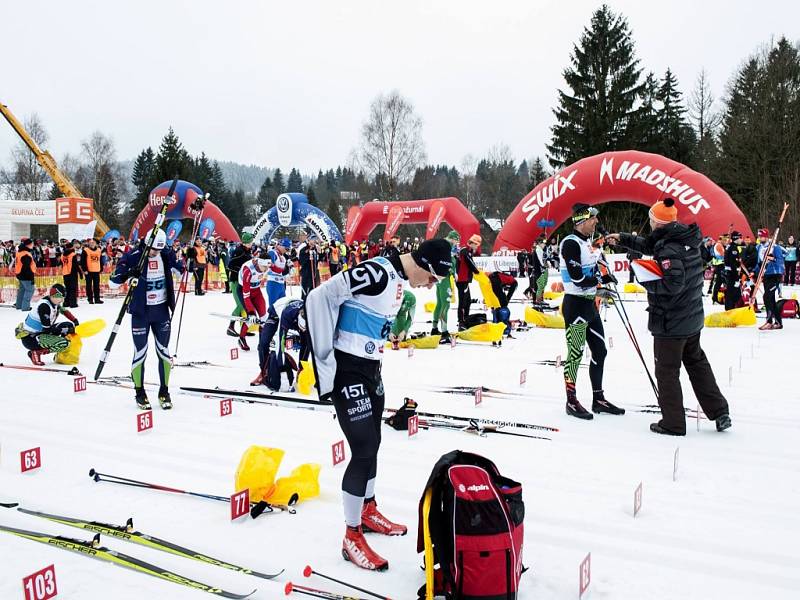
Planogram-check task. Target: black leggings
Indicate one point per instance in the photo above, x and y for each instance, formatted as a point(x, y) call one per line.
point(791, 270)
point(464, 300)
point(358, 399)
point(771, 283)
point(583, 326)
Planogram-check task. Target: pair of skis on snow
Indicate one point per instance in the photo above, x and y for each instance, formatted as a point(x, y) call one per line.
point(93, 549)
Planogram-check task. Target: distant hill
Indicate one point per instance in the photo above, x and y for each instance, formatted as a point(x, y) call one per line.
point(244, 177)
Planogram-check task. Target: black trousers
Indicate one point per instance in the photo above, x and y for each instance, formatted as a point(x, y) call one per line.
point(669, 354)
point(464, 300)
point(791, 270)
point(771, 283)
point(359, 400)
point(93, 286)
point(71, 285)
point(733, 293)
point(199, 276)
point(716, 281)
point(583, 326)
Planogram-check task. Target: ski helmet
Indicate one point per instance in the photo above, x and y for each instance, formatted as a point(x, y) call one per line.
point(159, 241)
point(57, 290)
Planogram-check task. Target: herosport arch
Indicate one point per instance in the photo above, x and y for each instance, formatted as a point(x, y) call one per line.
point(185, 194)
point(630, 176)
point(294, 210)
point(361, 221)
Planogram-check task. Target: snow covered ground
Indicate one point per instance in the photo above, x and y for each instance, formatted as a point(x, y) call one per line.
point(726, 528)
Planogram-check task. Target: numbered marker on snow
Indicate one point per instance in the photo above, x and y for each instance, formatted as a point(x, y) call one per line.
point(523, 377)
point(413, 425)
point(698, 417)
point(30, 459)
point(637, 500)
point(740, 363)
point(478, 396)
point(79, 384)
point(584, 575)
point(558, 361)
point(337, 451)
point(234, 353)
point(410, 351)
point(610, 342)
point(40, 585)
point(452, 342)
point(225, 407)
point(144, 421)
point(289, 343)
point(675, 464)
point(240, 504)
point(730, 375)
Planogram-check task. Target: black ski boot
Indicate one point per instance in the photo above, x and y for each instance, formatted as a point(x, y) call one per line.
point(723, 422)
point(445, 338)
point(231, 331)
point(435, 331)
point(601, 405)
point(141, 399)
point(575, 409)
point(163, 398)
point(657, 428)
point(243, 344)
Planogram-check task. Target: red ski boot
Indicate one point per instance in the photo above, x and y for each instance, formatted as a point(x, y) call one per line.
point(356, 550)
point(373, 520)
point(36, 356)
point(259, 380)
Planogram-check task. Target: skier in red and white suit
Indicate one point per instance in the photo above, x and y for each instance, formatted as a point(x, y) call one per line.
point(252, 277)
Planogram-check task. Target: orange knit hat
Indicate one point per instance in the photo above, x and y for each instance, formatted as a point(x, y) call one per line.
point(664, 211)
point(475, 239)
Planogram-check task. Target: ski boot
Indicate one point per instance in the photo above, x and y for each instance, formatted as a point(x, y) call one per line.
point(141, 399)
point(36, 357)
point(601, 405)
point(657, 428)
point(231, 331)
point(259, 380)
point(723, 422)
point(163, 398)
point(243, 344)
point(574, 407)
point(435, 330)
point(373, 521)
point(445, 338)
point(356, 550)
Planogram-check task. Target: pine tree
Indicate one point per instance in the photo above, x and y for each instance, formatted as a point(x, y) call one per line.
point(676, 137)
point(647, 134)
point(295, 181)
point(266, 196)
point(311, 195)
point(172, 159)
point(538, 173)
point(277, 183)
point(599, 113)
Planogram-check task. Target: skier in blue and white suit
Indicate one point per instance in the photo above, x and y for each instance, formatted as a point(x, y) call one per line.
point(349, 318)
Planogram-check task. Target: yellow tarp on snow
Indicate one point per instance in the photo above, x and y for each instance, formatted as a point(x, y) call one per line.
point(485, 332)
point(489, 297)
point(633, 288)
point(541, 319)
point(736, 317)
point(422, 343)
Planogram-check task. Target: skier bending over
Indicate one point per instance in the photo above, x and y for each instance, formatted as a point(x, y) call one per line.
point(349, 318)
point(40, 333)
point(151, 308)
point(251, 279)
point(404, 319)
point(282, 317)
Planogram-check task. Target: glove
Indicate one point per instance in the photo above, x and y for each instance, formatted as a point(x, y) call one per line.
point(253, 320)
point(608, 278)
point(75, 321)
point(134, 273)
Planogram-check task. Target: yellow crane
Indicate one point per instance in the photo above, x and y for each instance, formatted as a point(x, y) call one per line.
point(48, 163)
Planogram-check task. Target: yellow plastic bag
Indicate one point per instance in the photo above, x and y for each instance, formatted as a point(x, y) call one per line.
point(90, 328)
point(257, 470)
point(633, 288)
point(550, 295)
point(489, 297)
point(306, 378)
point(485, 332)
point(541, 319)
point(72, 354)
point(303, 482)
point(736, 317)
point(422, 343)
point(430, 306)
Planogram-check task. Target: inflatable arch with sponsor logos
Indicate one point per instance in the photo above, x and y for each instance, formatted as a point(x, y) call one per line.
point(362, 220)
point(630, 176)
point(214, 220)
point(293, 210)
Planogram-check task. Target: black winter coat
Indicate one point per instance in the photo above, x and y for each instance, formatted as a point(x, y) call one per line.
point(675, 302)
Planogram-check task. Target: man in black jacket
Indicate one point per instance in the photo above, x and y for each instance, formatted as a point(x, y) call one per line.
point(675, 304)
point(733, 262)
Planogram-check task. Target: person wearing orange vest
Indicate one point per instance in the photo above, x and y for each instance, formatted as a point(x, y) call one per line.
point(90, 261)
point(197, 257)
point(70, 271)
point(25, 272)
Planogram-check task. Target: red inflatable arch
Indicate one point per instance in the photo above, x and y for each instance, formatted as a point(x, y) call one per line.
point(361, 221)
point(621, 176)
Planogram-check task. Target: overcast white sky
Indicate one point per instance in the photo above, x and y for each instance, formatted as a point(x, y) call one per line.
point(289, 83)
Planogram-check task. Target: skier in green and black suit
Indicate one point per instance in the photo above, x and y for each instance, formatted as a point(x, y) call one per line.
point(443, 290)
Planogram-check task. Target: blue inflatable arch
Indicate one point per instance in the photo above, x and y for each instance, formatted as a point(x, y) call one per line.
point(294, 210)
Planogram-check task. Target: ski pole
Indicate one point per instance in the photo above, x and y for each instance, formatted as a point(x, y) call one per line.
point(308, 572)
point(767, 254)
point(262, 506)
point(134, 282)
point(314, 593)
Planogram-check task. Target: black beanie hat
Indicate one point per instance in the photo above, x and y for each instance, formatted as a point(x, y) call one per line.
point(435, 256)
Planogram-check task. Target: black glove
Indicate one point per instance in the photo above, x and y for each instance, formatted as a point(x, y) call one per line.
point(399, 420)
point(608, 278)
point(134, 272)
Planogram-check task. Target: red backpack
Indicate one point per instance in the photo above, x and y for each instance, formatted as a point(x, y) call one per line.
point(471, 526)
point(788, 308)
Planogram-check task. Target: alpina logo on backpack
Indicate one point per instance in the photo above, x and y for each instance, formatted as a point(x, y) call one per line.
point(473, 488)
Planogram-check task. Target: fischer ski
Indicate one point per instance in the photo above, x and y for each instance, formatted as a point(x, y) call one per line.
point(475, 428)
point(129, 534)
point(93, 549)
point(481, 421)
